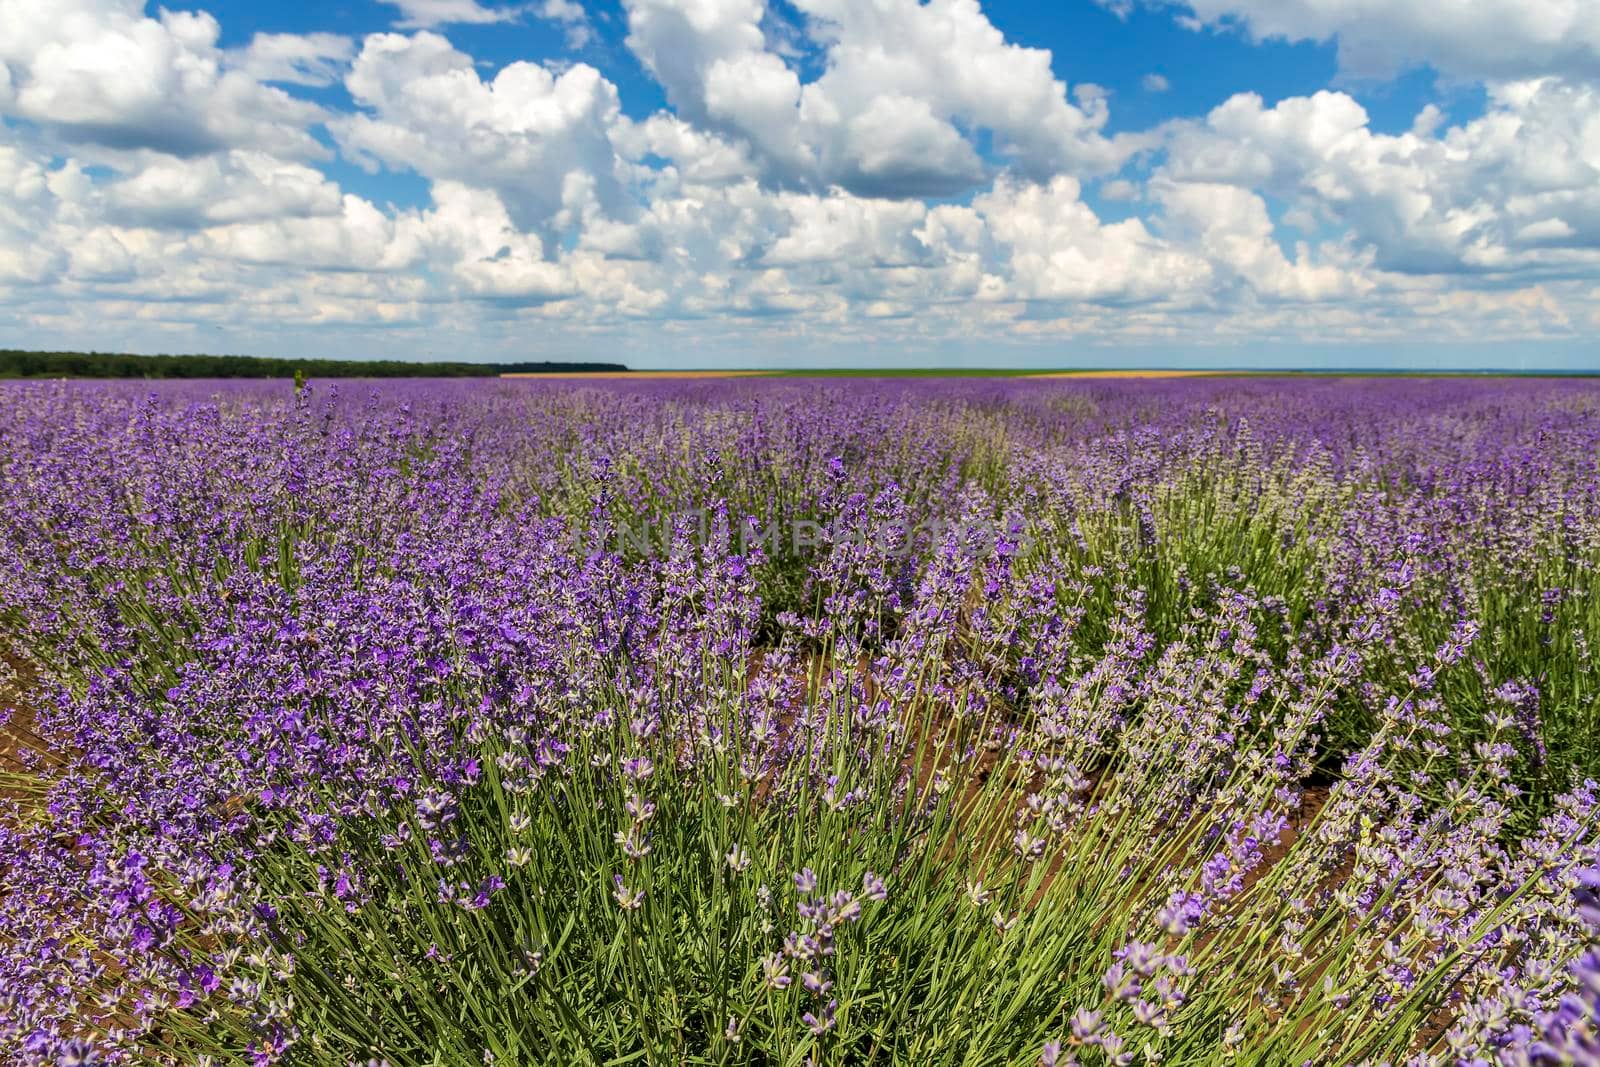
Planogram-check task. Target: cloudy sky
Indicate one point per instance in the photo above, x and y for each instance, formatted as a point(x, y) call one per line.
point(752, 182)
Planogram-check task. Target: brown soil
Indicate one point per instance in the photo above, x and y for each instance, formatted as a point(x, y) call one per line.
point(17, 732)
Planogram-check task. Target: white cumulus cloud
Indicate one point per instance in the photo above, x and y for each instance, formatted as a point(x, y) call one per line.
point(904, 83)
point(571, 16)
point(315, 59)
point(527, 132)
point(100, 72)
point(428, 14)
point(1476, 39)
point(1518, 188)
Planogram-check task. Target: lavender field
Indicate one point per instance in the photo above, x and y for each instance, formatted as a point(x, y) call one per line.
point(1205, 721)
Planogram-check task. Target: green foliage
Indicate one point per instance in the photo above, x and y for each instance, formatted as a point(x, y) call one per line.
point(18, 364)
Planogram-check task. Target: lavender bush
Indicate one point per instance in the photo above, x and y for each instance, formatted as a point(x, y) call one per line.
point(1192, 722)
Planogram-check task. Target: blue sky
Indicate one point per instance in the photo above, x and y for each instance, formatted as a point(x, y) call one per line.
point(807, 182)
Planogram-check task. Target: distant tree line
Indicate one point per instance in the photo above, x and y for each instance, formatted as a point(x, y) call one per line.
point(15, 364)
